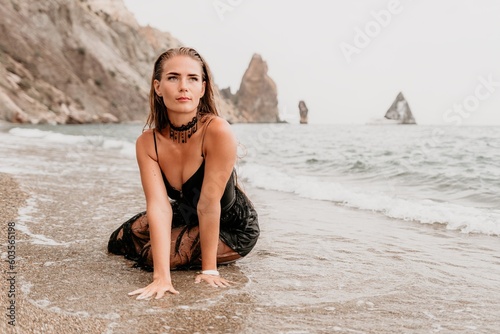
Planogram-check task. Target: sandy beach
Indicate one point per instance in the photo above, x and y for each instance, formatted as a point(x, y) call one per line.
point(28, 318)
point(317, 268)
point(77, 287)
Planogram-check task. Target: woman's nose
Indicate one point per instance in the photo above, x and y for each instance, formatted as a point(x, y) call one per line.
point(182, 84)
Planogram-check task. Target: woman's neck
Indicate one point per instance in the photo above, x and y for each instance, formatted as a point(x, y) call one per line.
point(179, 119)
point(182, 132)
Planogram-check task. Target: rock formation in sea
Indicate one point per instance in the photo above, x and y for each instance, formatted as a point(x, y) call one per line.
point(303, 111)
point(257, 97)
point(400, 111)
point(78, 61)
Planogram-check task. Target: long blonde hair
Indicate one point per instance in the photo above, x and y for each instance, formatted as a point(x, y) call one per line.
point(158, 117)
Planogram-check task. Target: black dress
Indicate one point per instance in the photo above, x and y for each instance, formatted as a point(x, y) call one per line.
point(239, 228)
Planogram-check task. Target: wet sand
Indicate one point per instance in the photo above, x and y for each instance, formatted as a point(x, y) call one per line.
point(317, 268)
point(76, 287)
point(27, 318)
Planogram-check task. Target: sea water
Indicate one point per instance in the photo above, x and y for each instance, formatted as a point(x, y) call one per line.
point(365, 229)
point(427, 174)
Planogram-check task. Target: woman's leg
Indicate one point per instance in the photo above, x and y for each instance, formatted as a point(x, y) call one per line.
point(129, 239)
point(132, 240)
point(185, 249)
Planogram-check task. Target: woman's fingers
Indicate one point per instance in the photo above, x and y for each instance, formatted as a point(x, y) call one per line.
point(159, 290)
point(151, 290)
point(225, 282)
point(160, 294)
point(145, 294)
point(215, 281)
point(136, 292)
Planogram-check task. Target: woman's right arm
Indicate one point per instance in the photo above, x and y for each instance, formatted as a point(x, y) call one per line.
point(159, 214)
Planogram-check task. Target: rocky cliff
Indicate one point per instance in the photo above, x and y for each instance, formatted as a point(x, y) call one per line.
point(257, 97)
point(78, 61)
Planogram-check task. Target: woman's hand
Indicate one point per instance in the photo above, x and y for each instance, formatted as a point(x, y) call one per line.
point(214, 280)
point(158, 286)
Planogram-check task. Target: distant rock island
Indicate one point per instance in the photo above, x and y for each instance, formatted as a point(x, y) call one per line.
point(303, 111)
point(257, 97)
point(89, 61)
point(398, 113)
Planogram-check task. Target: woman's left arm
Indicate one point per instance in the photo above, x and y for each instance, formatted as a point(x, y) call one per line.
point(220, 156)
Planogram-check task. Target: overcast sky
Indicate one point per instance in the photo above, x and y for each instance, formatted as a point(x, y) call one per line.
point(349, 59)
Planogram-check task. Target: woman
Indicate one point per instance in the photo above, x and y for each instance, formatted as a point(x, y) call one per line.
point(195, 212)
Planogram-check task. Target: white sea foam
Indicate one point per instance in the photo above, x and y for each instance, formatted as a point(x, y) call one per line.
point(26, 287)
point(46, 304)
point(25, 217)
point(47, 135)
point(125, 147)
point(456, 217)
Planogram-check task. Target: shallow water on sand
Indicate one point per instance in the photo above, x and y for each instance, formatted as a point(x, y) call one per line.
point(317, 268)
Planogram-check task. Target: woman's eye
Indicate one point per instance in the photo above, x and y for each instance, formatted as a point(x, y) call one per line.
point(171, 78)
point(193, 79)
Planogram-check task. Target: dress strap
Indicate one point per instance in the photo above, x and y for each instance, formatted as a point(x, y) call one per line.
point(203, 138)
point(156, 148)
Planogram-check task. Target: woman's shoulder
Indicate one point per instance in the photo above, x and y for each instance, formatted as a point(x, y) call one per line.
point(217, 124)
point(146, 142)
point(145, 137)
point(218, 135)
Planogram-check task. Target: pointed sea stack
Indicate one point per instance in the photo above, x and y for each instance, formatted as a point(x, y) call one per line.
point(257, 98)
point(303, 112)
point(400, 111)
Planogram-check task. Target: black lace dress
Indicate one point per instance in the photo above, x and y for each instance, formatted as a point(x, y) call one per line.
point(239, 227)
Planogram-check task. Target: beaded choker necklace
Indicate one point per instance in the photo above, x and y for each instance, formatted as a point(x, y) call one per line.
point(182, 133)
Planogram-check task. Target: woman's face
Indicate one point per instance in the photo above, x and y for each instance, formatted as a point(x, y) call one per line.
point(181, 85)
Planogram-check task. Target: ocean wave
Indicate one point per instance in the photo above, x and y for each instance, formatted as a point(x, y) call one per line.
point(125, 147)
point(47, 135)
point(458, 217)
point(455, 188)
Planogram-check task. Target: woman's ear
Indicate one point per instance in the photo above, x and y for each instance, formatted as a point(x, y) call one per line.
point(204, 83)
point(156, 85)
